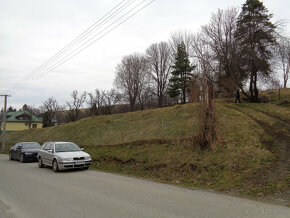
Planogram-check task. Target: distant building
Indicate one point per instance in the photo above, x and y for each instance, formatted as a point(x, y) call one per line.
point(21, 120)
point(54, 122)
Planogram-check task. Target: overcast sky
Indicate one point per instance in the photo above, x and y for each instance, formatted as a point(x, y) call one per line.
point(32, 31)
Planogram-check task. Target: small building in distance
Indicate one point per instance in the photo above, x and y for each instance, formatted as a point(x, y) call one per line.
point(21, 120)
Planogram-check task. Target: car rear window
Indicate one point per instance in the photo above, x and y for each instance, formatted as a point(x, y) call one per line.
point(31, 146)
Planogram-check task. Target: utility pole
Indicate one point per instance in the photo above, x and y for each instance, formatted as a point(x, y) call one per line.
point(4, 122)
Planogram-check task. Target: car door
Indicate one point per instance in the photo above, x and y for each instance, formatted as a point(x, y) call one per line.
point(44, 153)
point(17, 151)
point(50, 153)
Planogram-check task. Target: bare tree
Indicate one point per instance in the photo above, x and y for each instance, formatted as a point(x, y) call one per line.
point(34, 110)
point(74, 106)
point(130, 75)
point(272, 83)
point(158, 56)
point(203, 56)
point(180, 37)
point(145, 94)
point(95, 101)
point(216, 50)
point(49, 108)
point(283, 53)
point(110, 99)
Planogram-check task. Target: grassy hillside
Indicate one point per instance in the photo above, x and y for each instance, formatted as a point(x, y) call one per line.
point(273, 96)
point(250, 157)
point(170, 122)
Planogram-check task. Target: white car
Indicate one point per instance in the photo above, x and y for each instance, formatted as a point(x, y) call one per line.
point(62, 156)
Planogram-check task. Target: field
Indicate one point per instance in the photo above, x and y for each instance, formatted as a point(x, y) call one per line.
point(250, 157)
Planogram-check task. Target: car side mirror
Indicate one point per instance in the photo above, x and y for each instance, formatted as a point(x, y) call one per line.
point(18, 148)
point(50, 151)
point(82, 149)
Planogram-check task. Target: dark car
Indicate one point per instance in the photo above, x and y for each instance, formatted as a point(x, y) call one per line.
point(24, 151)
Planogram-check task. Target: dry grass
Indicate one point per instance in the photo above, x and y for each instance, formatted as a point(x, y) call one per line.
point(169, 123)
point(273, 96)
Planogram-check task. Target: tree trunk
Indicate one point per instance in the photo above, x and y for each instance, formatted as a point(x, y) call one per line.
point(184, 96)
point(245, 94)
point(160, 100)
point(256, 91)
point(251, 88)
point(132, 101)
point(131, 106)
point(141, 104)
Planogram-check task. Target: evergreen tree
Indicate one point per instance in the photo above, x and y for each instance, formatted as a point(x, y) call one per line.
point(11, 109)
point(25, 107)
point(255, 35)
point(181, 74)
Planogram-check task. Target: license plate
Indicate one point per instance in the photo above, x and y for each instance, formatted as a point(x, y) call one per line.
point(78, 163)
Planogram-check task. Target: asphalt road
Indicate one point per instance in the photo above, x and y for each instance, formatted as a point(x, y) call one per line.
point(28, 191)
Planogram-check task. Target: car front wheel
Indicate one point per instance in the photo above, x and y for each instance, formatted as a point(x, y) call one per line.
point(10, 156)
point(40, 163)
point(55, 166)
point(22, 158)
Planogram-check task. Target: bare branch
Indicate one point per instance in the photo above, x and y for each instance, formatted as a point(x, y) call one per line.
point(75, 105)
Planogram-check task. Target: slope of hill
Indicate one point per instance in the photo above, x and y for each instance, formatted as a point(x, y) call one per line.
point(170, 122)
point(251, 156)
point(273, 96)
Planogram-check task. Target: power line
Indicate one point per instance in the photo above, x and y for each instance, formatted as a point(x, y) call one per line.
point(88, 42)
point(79, 49)
point(62, 61)
point(77, 39)
point(93, 27)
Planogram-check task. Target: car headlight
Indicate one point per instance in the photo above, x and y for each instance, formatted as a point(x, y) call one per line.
point(88, 158)
point(66, 159)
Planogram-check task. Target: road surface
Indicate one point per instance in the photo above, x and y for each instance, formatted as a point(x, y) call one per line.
point(28, 191)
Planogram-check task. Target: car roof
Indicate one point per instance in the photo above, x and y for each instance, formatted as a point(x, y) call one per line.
point(27, 142)
point(58, 142)
point(62, 142)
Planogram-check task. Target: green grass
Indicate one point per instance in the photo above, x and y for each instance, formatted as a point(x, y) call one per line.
point(153, 144)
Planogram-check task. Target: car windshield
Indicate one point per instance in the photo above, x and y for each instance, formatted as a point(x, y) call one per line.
point(30, 146)
point(65, 147)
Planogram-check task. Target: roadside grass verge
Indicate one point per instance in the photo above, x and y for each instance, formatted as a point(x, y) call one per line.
point(220, 169)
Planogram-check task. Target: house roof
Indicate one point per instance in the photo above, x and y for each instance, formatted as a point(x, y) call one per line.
point(10, 113)
point(12, 117)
